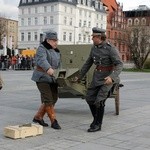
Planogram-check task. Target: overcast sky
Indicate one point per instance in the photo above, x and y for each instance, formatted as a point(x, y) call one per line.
point(9, 8)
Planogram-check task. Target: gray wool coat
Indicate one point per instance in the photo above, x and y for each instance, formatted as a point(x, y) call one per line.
point(45, 59)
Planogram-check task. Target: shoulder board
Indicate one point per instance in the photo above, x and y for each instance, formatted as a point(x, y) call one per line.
point(108, 44)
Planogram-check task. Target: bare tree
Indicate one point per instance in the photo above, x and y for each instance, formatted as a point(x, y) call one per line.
point(139, 45)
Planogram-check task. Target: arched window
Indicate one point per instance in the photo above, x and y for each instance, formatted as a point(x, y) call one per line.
point(129, 22)
point(143, 21)
point(136, 21)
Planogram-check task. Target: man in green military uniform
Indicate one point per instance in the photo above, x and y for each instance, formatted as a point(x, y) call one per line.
point(108, 66)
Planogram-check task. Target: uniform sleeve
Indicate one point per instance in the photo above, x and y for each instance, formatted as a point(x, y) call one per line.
point(117, 62)
point(41, 58)
point(85, 68)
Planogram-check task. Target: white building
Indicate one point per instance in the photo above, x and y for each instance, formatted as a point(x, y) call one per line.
point(71, 19)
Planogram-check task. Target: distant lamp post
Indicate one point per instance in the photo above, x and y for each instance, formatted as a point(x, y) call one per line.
point(75, 34)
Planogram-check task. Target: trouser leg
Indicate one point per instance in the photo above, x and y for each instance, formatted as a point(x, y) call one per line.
point(52, 116)
point(38, 118)
point(99, 118)
point(94, 113)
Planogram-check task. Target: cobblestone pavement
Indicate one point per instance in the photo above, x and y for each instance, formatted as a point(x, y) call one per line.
point(19, 100)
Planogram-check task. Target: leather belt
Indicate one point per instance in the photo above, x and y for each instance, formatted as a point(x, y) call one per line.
point(104, 68)
point(38, 68)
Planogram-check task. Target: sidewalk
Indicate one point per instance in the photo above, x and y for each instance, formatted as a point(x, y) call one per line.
point(130, 130)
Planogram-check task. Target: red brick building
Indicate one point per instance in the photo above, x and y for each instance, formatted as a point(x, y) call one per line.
point(116, 27)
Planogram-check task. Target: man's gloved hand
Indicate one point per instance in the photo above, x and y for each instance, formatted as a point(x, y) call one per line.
point(0, 87)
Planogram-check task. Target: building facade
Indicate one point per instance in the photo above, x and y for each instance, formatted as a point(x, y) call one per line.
point(9, 33)
point(140, 18)
point(71, 19)
point(116, 28)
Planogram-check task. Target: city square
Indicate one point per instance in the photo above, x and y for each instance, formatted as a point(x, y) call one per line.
point(130, 130)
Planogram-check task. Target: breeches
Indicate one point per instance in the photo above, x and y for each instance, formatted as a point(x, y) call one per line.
point(98, 94)
point(49, 92)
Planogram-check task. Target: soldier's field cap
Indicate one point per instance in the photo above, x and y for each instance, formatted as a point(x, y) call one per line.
point(51, 35)
point(97, 31)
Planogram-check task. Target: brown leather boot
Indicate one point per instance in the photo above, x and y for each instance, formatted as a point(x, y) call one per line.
point(51, 114)
point(38, 118)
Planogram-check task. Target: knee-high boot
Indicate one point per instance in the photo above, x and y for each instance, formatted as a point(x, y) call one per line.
point(38, 118)
point(99, 119)
point(51, 114)
point(93, 111)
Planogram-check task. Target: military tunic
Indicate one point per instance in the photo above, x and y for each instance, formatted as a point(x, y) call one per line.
point(105, 56)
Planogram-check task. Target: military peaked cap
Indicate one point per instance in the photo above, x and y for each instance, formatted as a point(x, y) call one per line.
point(98, 31)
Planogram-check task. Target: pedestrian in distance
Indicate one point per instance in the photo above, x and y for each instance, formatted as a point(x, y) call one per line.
point(47, 59)
point(108, 66)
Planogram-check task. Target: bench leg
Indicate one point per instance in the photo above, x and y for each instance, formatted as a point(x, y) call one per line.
point(117, 102)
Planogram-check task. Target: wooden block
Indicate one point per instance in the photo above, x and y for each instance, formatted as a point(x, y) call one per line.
point(22, 131)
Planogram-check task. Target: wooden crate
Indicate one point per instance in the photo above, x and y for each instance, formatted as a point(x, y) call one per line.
point(22, 131)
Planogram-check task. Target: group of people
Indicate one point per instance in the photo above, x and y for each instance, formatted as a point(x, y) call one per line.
point(16, 62)
point(108, 66)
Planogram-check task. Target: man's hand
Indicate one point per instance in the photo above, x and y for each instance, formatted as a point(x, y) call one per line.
point(108, 80)
point(50, 71)
point(75, 79)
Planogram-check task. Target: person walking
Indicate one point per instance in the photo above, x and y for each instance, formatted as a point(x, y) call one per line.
point(47, 59)
point(108, 66)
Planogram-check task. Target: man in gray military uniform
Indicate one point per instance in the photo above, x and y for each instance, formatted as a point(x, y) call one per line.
point(108, 66)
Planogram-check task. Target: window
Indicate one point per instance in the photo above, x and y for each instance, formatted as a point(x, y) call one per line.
point(80, 23)
point(64, 36)
point(24, 1)
point(29, 36)
point(89, 39)
point(143, 21)
point(115, 36)
point(89, 24)
point(129, 22)
point(79, 37)
point(22, 21)
point(22, 11)
point(22, 36)
point(35, 36)
point(84, 38)
point(71, 21)
point(36, 10)
point(45, 8)
point(29, 1)
point(136, 21)
point(36, 0)
point(52, 8)
point(65, 20)
point(84, 24)
point(29, 21)
point(51, 20)
point(29, 11)
point(70, 37)
point(45, 20)
point(36, 21)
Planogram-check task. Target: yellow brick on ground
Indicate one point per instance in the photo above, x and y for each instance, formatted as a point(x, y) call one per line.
point(22, 131)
